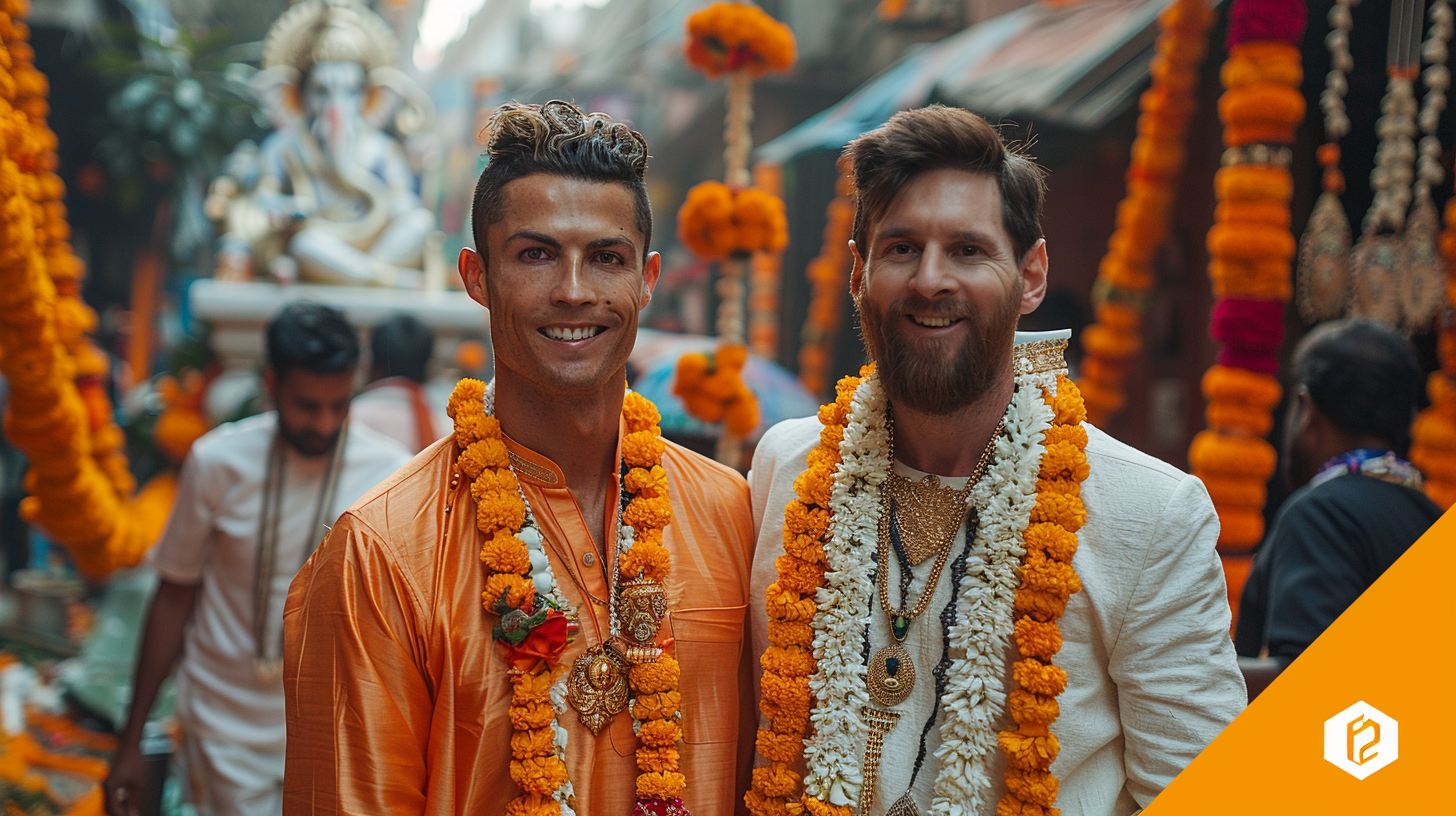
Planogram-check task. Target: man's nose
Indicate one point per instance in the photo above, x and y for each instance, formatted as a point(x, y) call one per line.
point(573, 286)
point(933, 277)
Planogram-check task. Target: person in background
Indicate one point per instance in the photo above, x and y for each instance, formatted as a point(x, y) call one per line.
point(254, 499)
point(394, 403)
point(1360, 504)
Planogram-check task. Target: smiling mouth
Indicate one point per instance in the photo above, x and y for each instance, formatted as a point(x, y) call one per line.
point(934, 322)
point(569, 335)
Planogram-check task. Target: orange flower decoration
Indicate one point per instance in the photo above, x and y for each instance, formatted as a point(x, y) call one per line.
point(727, 37)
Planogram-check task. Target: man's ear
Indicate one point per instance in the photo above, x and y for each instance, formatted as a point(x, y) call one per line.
point(1034, 277)
point(472, 274)
point(856, 276)
point(650, 273)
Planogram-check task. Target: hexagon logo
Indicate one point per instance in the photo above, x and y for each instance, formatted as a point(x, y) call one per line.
point(1361, 740)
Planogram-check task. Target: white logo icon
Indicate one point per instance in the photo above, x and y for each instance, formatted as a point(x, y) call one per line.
point(1361, 740)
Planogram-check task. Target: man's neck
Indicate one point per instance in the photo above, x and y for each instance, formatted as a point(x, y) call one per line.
point(949, 444)
point(578, 433)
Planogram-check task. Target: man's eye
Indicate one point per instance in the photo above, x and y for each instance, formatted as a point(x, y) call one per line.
point(608, 258)
point(534, 254)
point(971, 251)
point(901, 249)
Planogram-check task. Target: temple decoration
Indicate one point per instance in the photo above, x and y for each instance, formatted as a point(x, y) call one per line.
point(1126, 274)
point(1250, 248)
point(1423, 269)
point(58, 413)
point(767, 268)
point(828, 277)
point(730, 221)
point(1433, 435)
point(329, 197)
point(1324, 249)
point(1376, 275)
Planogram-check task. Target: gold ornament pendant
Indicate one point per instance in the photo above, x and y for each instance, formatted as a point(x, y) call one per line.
point(597, 688)
point(891, 675)
point(641, 607)
point(929, 515)
point(904, 806)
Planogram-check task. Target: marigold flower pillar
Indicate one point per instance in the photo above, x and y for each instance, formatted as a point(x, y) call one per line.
point(1250, 248)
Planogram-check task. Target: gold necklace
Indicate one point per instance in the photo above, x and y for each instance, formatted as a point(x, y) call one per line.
point(891, 673)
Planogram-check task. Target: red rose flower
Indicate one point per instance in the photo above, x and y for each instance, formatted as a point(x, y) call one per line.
point(542, 647)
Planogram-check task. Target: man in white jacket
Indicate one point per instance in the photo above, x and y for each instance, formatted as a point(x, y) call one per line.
point(969, 600)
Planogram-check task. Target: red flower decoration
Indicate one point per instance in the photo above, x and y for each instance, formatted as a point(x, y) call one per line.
point(542, 647)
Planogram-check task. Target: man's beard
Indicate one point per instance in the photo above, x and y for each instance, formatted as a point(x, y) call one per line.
point(925, 377)
point(309, 443)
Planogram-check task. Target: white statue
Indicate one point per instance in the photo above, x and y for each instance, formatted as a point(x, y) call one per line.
point(332, 182)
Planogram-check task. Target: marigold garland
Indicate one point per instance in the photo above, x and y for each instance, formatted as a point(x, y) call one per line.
point(514, 582)
point(58, 413)
point(717, 221)
point(1125, 275)
point(1433, 434)
point(828, 276)
point(728, 37)
point(766, 269)
point(1251, 249)
point(712, 389)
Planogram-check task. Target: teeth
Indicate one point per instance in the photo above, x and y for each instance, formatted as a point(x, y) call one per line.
point(933, 322)
point(568, 335)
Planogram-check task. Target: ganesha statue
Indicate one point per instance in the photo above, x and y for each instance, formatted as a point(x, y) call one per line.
point(330, 196)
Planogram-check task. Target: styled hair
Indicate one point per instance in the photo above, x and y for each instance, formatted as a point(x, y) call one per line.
point(938, 137)
point(558, 139)
point(1364, 376)
point(401, 346)
point(313, 337)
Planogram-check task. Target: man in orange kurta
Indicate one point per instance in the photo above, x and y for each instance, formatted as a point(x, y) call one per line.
point(397, 696)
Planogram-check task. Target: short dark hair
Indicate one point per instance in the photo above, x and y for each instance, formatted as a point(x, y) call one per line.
point(313, 337)
point(558, 139)
point(401, 346)
point(1364, 376)
point(938, 137)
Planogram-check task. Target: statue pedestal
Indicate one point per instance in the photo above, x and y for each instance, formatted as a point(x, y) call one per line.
point(238, 312)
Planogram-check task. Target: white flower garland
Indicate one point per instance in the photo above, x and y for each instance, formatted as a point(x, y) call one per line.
point(974, 698)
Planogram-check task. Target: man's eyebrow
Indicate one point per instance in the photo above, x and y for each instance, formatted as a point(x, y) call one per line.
point(538, 237)
point(969, 236)
point(603, 243)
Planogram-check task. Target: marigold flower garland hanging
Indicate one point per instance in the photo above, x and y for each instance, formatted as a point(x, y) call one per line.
point(1250, 248)
point(1433, 434)
point(1017, 588)
point(1125, 275)
point(766, 270)
point(58, 413)
point(828, 277)
point(536, 623)
point(730, 221)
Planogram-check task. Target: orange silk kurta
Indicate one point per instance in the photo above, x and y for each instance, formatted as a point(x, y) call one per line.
point(397, 698)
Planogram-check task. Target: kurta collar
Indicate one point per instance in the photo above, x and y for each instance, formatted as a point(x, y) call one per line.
point(539, 470)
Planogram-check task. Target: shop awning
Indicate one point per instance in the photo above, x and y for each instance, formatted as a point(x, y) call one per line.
point(1075, 65)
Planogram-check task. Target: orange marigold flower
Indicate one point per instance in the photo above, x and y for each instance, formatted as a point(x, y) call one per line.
point(659, 733)
point(1037, 788)
point(506, 553)
point(830, 436)
point(1027, 708)
point(1039, 573)
point(790, 633)
point(1061, 509)
point(494, 479)
point(666, 785)
point(1037, 638)
point(473, 426)
point(775, 747)
point(532, 715)
point(1043, 606)
point(802, 519)
point(639, 412)
point(469, 395)
point(798, 575)
point(1062, 460)
point(659, 706)
point(650, 678)
point(1053, 539)
point(658, 760)
point(642, 449)
point(787, 605)
point(814, 485)
point(1029, 752)
point(651, 483)
point(517, 590)
point(1038, 677)
point(775, 779)
point(647, 559)
point(1065, 487)
point(1068, 403)
point(642, 512)
point(539, 775)
point(760, 805)
point(817, 807)
point(485, 453)
point(1074, 434)
point(804, 547)
point(791, 661)
point(532, 742)
point(527, 687)
point(533, 805)
point(499, 510)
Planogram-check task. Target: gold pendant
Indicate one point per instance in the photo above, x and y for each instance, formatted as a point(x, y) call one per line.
point(891, 675)
point(904, 806)
point(597, 688)
point(641, 607)
point(927, 513)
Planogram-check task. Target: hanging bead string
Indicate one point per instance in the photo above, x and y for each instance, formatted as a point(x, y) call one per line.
point(1437, 78)
point(1422, 268)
